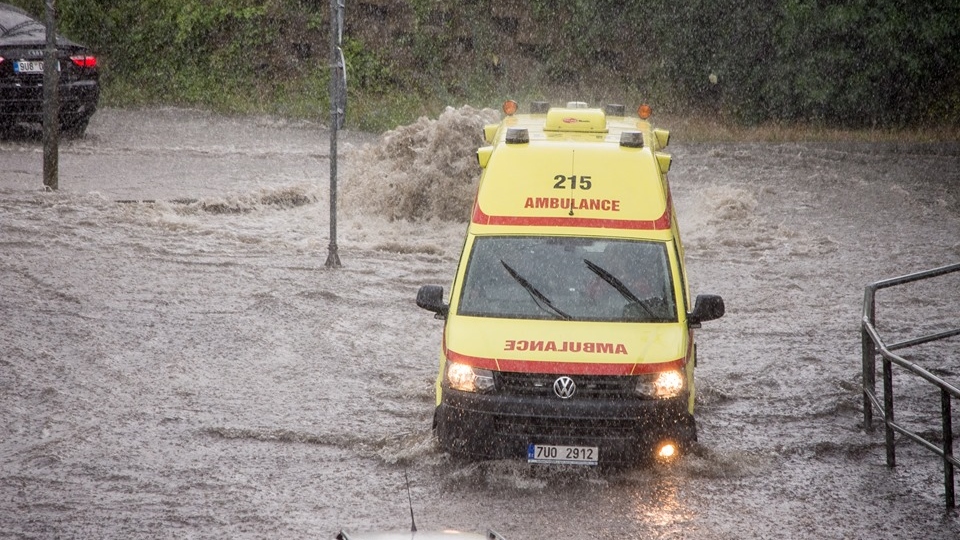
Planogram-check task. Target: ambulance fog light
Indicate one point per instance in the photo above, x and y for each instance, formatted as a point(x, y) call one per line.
point(667, 451)
point(663, 385)
point(469, 379)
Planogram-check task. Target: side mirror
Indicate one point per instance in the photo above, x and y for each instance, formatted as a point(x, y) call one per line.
point(706, 308)
point(430, 298)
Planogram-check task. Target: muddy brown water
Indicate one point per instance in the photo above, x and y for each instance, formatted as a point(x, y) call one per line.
point(188, 367)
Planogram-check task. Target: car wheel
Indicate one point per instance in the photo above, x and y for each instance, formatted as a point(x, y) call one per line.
point(75, 128)
point(6, 127)
point(444, 438)
point(448, 440)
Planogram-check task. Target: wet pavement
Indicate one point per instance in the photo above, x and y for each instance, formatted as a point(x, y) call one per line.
point(186, 366)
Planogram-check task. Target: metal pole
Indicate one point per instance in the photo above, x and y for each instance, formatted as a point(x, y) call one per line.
point(336, 22)
point(869, 360)
point(947, 448)
point(51, 102)
point(888, 411)
point(869, 378)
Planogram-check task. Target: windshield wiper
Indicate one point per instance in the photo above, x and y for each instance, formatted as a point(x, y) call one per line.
point(538, 298)
point(618, 285)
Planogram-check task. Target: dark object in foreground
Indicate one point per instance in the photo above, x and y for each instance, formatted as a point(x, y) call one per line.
point(22, 42)
point(414, 535)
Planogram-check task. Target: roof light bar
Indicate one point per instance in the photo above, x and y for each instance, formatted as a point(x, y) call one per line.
point(518, 136)
point(631, 139)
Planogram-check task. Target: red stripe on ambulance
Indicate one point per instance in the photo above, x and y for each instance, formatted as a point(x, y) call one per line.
point(660, 224)
point(562, 368)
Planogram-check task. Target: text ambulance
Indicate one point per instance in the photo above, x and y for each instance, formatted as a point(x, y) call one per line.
point(568, 335)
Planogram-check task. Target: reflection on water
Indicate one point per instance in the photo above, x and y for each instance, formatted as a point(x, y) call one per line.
point(660, 506)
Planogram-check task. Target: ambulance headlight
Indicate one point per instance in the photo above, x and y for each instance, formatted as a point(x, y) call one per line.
point(469, 379)
point(666, 384)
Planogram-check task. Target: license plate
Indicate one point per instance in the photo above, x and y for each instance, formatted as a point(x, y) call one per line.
point(30, 66)
point(572, 455)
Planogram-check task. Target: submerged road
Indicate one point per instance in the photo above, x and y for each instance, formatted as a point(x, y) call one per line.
point(187, 367)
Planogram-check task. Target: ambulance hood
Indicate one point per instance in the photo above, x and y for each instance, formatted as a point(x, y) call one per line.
point(569, 347)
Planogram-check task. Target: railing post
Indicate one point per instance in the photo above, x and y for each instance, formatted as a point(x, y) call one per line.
point(888, 411)
point(872, 346)
point(947, 448)
point(869, 351)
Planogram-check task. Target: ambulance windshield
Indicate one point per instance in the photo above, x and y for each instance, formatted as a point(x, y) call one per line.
point(584, 279)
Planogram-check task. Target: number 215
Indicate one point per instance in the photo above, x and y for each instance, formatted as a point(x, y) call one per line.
point(581, 182)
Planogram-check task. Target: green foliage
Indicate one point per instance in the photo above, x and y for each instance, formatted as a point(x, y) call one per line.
point(588, 34)
point(710, 52)
point(851, 63)
point(182, 51)
point(856, 63)
point(863, 62)
point(365, 68)
point(431, 41)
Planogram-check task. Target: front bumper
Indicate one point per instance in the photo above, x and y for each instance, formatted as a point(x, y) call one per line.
point(498, 426)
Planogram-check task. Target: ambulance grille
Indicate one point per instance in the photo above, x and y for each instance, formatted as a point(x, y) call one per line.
point(588, 429)
point(588, 386)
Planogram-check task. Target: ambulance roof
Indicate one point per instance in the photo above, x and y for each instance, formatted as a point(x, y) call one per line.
point(574, 168)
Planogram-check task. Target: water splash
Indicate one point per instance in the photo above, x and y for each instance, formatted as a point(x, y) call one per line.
point(423, 171)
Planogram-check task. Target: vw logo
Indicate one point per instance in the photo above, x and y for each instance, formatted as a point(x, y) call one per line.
point(564, 387)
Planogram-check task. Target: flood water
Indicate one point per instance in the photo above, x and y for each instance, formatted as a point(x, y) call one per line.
point(176, 361)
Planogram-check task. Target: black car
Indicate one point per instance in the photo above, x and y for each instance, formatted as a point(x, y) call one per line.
point(22, 43)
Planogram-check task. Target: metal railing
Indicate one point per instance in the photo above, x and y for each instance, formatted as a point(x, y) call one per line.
point(872, 343)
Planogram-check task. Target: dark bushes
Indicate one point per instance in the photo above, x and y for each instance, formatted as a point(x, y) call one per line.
point(856, 63)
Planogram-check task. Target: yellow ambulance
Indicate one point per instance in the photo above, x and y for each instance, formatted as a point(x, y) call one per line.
point(568, 333)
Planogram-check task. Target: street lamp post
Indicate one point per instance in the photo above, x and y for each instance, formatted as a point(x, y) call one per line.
point(338, 104)
point(51, 102)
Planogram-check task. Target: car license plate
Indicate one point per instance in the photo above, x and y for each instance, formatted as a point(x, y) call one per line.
point(574, 455)
point(28, 66)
